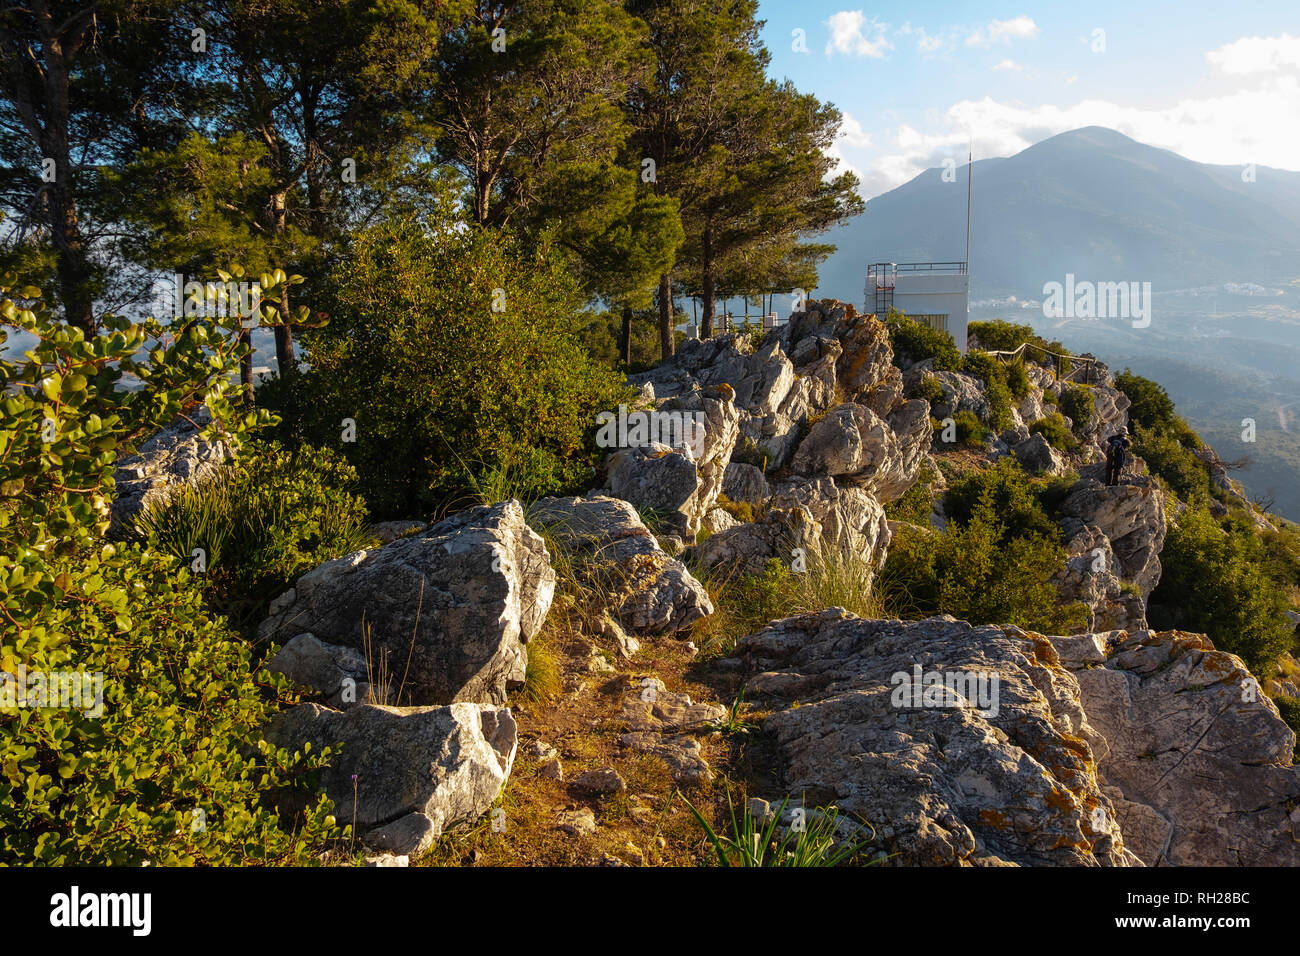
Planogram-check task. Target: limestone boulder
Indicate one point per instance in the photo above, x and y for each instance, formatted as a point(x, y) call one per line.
point(446, 613)
point(992, 765)
point(613, 553)
point(405, 774)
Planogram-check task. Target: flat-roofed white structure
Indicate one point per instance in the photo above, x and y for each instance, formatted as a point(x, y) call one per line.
point(934, 293)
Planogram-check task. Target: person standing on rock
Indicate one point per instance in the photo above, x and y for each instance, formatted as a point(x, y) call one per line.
point(1116, 451)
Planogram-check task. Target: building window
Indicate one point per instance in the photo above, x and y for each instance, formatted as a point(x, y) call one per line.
point(939, 322)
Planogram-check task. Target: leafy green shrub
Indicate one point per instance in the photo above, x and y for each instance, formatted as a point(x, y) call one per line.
point(917, 342)
point(917, 502)
point(1057, 433)
point(172, 772)
point(979, 572)
point(442, 388)
point(1218, 581)
point(1176, 465)
point(261, 522)
point(1011, 494)
point(1078, 403)
point(1018, 378)
point(173, 769)
point(1061, 364)
point(998, 335)
point(930, 390)
point(1150, 405)
point(967, 431)
point(994, 563)
point(1052, 491)
point(993, 374)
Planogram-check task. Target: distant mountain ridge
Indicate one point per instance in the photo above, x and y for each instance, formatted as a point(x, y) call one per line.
point(1091, 202)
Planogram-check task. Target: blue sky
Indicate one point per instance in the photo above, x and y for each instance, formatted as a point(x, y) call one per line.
point(1218, 83)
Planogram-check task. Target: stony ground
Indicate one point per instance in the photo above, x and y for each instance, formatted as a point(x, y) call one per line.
point(648, 823)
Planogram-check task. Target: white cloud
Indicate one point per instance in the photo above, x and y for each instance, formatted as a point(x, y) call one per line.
point(853, 34)
point(925, 43)
point(1257, 55)
point(851, 132)
point(1259, 125)
point(1010, 65)
point(1017, 28)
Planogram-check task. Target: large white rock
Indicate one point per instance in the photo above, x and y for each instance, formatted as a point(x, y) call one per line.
point(447, 613)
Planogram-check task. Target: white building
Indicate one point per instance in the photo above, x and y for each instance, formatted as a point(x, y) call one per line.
point(934, 293)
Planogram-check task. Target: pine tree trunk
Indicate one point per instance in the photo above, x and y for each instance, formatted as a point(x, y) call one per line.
point(73, 265)
point(284, 358)
point(706, 322)
point(626, 339)
point(666, 344)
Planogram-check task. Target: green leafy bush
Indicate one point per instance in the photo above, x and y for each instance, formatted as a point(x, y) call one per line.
point(1289, 710)
point(173, 771)
point(261, 522)
point(1150, 405)
point(993, 373)
point(998, 335)
point(994, 563)
point(1219, 581)
point(979, 572)
point(1175, 464)
point(1018, 379)
point(1057, 433)
point(968, 431)
point(917, 502)
point(1078, 403)
point(917, 342)
point(177, 732)
point(929, 389)
point(1012, 495)
point(455, 353)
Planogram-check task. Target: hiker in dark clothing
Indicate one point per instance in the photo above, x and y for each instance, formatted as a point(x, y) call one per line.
point(1116, 451)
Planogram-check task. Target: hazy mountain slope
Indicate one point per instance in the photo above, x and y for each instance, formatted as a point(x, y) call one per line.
point(1090, 201)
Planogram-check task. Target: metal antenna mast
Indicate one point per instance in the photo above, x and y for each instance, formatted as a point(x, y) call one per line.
point(970, 170)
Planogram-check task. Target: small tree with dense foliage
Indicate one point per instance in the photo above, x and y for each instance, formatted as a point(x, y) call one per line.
point(916, 342)
point(459, 357)
point(1219, 581)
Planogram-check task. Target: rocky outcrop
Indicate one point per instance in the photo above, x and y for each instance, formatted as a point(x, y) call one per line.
point(984, 774)
point(993, 746)
point(823, 357)
point(1131, 516)
point(821, 407)
point(1090, 576)
point(405, 774)
point(802, 517)
point(339, 675)
point(446, 614)
point(744, 483)
point(680, 481)
point(1196, 758)
point(1037, 456)
point(613, 553)
point(177, 455)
